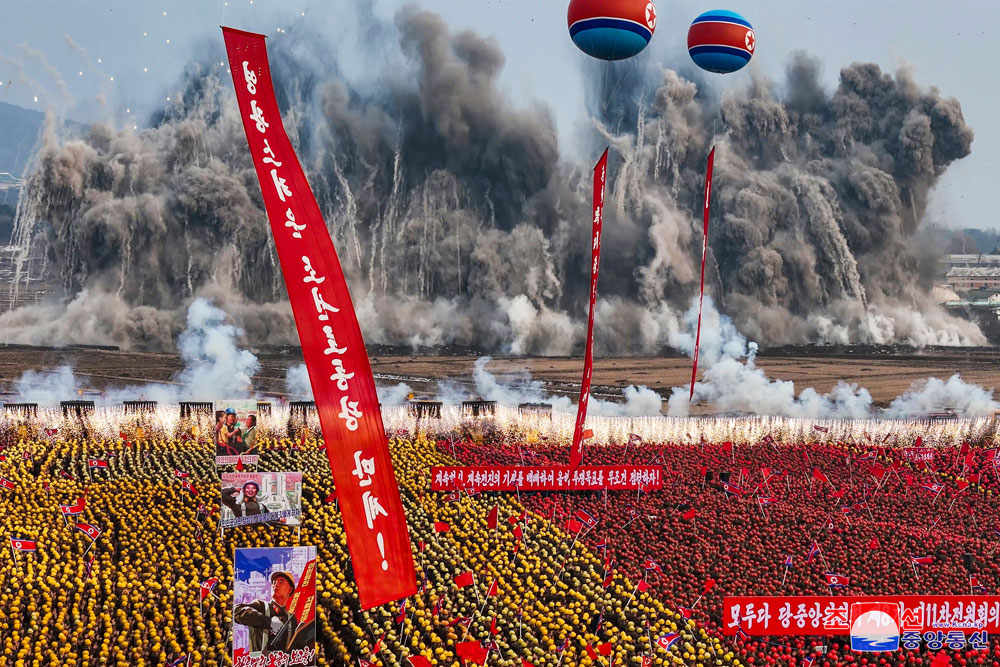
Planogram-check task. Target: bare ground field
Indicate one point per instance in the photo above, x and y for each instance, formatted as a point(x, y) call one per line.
point(885, 372)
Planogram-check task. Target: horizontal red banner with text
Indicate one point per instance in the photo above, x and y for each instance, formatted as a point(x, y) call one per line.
point(546, 478)
point(919, 453)
point(826, 615)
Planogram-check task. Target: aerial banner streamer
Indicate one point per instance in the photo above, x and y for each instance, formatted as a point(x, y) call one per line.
point(576, 454)
point(704, 254)
point(334, 351)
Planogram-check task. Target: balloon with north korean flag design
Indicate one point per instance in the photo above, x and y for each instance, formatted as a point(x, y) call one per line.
point(721, 41)
point(611, 29)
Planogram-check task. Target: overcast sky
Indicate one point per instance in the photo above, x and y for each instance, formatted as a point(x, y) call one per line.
point(114, 60)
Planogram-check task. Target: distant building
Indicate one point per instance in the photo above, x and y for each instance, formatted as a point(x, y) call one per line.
point(965, 279)
point(970, 261)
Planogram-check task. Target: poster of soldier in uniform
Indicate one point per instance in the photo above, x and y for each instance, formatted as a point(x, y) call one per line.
point(274, 607)
point(236, 432)
point(274, 498)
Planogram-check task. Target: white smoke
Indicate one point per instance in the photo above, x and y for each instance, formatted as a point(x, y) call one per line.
point(933, 394)
point(731, 382)
point(298, 388)
point(214, 368)
point(47, 387)
point(520, 387)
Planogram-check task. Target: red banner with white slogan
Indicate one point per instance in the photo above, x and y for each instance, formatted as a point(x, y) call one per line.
point(827, 615)
point(332, 346)
point(546, 478)
point(704, 255)
point(600, 173)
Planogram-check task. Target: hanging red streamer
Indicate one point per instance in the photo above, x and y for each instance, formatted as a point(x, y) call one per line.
point(334, 351)
point(600, 173)
point(704, 254)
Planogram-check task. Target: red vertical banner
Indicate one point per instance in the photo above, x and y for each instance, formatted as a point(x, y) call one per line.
point(334, 351)
point(704, 255)
point(600, 173)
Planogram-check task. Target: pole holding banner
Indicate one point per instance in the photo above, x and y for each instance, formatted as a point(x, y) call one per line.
point(332, 346)
point(704, 255)
point(600, 175)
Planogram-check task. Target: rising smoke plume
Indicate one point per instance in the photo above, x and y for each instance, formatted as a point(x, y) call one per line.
point(458, 220)
point(215, 368)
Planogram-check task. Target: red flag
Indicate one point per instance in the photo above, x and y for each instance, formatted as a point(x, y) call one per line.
point(525, 663)
point(690, 514)
point(518, 533)
point(819, 475)
point(704, 254)
point(520, 517)
point(441, 527)
point(378, 645)
point(727, 447)
point(75, 508)
point(208, 586)
point(941, 659)
point(419, 661)
point(709, 585)
point(492, 590)
point(471, 651)
point(975, 477)
point(962, 484)
point(331, 498)
point(21, 544)
point(591, 653)
point(493, 517)
point(835, 580)
point(838, 494)
point(493, 627)
point(643, 586)
point(239, 464)
point(464, 579)
point(873, 544)
point(93, 532)
point(346, 400)
point(600, 172)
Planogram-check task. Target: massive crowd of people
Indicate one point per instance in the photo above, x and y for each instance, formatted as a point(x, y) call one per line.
point(793, 498)
point(132, 596)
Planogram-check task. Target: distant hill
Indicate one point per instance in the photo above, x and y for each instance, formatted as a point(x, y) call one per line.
point(18, 134)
